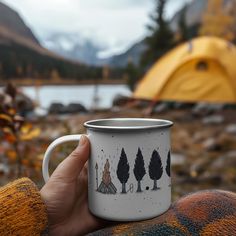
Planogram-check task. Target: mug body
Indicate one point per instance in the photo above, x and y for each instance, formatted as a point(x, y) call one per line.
point(129, 168)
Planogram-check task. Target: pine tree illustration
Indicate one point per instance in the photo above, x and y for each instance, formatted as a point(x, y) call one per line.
point(155, 168)
point(168, 165)
point(139, 169)
point(123, 170)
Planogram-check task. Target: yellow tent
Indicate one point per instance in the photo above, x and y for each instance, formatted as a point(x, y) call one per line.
point(203, 69)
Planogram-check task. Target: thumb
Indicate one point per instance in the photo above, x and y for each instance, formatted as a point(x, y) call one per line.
point(69, 169)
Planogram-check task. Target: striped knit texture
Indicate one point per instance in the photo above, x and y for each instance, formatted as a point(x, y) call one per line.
point(22, 212)
point(206, 213)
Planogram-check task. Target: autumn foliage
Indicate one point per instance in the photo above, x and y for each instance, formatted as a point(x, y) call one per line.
point(219, 20)
point(15, 131)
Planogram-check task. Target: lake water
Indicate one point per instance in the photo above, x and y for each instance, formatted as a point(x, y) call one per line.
point(87, 95)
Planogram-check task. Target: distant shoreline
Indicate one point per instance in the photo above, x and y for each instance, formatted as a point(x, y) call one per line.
point(37, 82)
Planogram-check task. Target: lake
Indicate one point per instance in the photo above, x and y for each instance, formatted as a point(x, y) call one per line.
point(100, 96)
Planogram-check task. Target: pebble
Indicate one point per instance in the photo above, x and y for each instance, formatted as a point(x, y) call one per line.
point(212, 120)
point(231, 129)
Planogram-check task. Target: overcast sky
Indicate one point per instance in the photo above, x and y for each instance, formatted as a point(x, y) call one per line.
point(116, 23)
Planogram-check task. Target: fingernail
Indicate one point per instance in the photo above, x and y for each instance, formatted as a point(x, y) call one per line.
point(82, 141)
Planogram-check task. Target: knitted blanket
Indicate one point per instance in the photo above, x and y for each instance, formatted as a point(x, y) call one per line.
point(206, 213)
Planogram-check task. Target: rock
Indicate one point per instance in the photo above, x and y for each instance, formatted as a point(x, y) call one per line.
point(24, 104)
point(199, 166)
point(212, 120)
point(182, 105)
point(5, 99)
point(230, 106)
point(202, 109)
point(229, 159)
point(72, 108)
point(40, 112)
point(4, 169)
point(52, 132)
point(198, 137)
point(177, 159)
point(224, 166)
point(214, 180)
point(211, 144)
point(230, 155)
point(75, 108)
point(57, 108)
point(181, 141)
point(227, 142)
point(231, 129)
point(223, 142)
point(160, 108)
point(120, 100)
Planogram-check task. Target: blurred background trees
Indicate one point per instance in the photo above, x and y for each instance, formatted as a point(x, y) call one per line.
point(133, 74)
point(218, 20)
point(161, 38)
point(183, 33)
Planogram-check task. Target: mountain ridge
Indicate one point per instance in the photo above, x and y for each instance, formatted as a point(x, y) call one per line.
point(21, 54)
point(11, 20)
point(74, 47)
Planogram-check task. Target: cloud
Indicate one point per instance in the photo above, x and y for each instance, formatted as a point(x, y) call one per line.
point(114, 21)
point(115, 5)
point(117, 23)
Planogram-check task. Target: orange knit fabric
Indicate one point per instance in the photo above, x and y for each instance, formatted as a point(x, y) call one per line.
point(22, 211)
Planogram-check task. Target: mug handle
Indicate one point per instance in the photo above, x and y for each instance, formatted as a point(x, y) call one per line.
point(51, 147)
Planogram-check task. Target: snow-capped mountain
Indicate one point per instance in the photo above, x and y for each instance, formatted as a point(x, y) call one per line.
point(74, 47)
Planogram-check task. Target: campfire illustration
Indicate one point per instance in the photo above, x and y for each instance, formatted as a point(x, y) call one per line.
point(106, 186)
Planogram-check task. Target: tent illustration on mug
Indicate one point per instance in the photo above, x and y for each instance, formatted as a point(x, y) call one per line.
point(106, 186)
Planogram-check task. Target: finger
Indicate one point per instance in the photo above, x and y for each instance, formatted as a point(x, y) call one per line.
point(84, 171)
point(83, 176)
point(82, 184)
point(86, 167)
point(71, 167)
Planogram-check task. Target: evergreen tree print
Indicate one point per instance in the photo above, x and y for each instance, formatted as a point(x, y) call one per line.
point(168, 165)
point(155, 168)
point(139, 169)
point(123, 170)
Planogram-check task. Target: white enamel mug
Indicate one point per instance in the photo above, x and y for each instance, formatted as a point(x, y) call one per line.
point(129, 167)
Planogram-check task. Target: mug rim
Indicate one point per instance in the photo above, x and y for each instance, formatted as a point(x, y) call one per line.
point(154, 124)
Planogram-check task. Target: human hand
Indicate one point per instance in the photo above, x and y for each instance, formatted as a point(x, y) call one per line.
point(66, 196)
